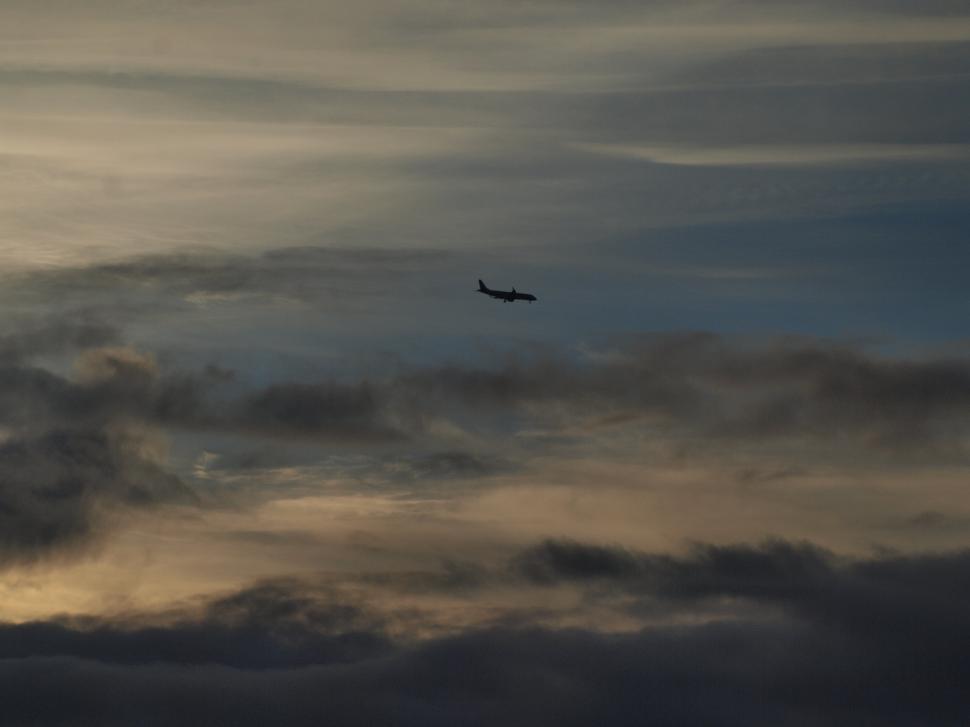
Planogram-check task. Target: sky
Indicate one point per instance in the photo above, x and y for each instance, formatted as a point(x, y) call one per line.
point(267, 458)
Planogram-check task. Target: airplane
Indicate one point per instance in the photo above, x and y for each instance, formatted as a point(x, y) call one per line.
point(506, 296)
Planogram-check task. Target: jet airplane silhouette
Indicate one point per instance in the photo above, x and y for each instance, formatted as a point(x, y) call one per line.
point(506, 296)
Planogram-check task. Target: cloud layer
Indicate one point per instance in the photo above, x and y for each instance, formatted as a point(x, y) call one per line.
point(872, 640)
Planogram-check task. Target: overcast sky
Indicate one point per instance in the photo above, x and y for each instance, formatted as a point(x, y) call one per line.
point(265, 456)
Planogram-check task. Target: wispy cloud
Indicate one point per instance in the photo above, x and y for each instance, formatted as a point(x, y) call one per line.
point(767, 154)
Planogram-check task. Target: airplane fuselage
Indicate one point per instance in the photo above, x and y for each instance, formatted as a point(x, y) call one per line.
point(506, 296)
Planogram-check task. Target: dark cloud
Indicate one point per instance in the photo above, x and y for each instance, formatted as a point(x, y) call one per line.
point(111, 383)
point(73, 452)
point(69, 459)
point(713, 387)
point(764, 572)
point(865, 597)
point(269, 625)
point(329, 410)
point(58, 489)
point(555, 560)
point(78, 450)
point(450, 466)
point(55, 335)
point(114, 384)
point(700, 385)
point(870, 641)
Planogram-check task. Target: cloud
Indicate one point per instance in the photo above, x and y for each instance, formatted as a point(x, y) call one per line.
point(58, 490)
point(877, 639)
point(867, 599)
point(286, 275)
point(326, 410)
point(776, 570)
point(701, 386)
point(249, 151)
point(70, 456)
point(927, 518)
point(554, 560)
point(449, 465)
point(121, 386)
point(58, 334)
point(183, 137)
point(713, 387)
point(274, 624)
point(766, 154)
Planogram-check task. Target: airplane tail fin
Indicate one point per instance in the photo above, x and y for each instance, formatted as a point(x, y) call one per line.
point(481, 286)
